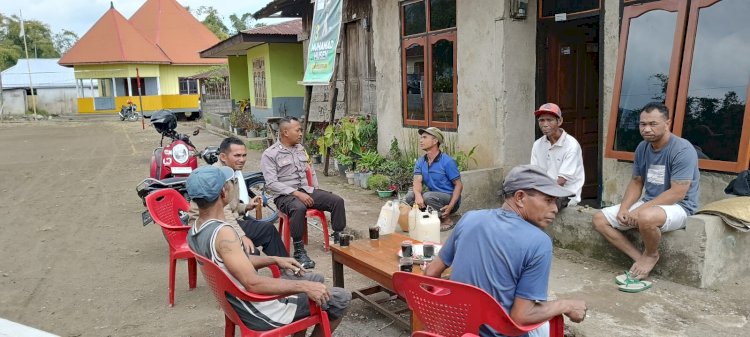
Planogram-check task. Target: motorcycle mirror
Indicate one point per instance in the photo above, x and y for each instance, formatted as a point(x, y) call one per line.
point(196, 131)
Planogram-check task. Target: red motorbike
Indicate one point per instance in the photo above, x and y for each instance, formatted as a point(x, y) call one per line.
point(178, 159)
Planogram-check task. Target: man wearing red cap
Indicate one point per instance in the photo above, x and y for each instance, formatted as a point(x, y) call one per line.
point(558, 153)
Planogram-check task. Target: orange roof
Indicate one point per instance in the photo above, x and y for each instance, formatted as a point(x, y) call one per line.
point(113, 39)
point(175, 31)
point(161, 31)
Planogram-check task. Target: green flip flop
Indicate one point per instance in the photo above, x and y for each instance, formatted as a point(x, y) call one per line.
point(634, 286)
point(622, 278)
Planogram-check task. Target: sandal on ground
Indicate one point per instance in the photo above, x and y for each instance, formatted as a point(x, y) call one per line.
point(633, 285)
point(622, 278)
point(447, 225)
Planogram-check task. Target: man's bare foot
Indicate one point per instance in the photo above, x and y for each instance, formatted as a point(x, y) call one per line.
point(643, 266)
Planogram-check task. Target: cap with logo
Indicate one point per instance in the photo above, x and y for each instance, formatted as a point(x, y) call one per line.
point(207, 181)
point(549, 108)
point(524, 177)
point(433, 131)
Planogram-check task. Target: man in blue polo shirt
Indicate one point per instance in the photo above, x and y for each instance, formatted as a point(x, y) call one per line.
point(439, 172)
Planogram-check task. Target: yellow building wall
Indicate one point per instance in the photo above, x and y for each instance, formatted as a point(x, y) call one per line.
point(168, 85)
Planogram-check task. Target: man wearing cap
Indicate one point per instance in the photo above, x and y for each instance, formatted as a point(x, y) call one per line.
point(284, 167)
point(233, 154)
point(214, 239)
point(506, 252)
point(558, 153)
point(661, 194)
point(439, 172)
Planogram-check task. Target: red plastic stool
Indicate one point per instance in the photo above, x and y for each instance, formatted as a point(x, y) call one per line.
point(286, 232)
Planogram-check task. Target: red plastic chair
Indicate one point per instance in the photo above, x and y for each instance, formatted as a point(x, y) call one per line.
point(164, 206)
point(452, 309)
point(430, 334)
point(221, 284)
point(285, 227)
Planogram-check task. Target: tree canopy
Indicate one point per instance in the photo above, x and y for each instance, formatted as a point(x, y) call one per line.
point(41, 42)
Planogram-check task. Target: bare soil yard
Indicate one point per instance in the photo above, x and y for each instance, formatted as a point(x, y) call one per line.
point(76, 260)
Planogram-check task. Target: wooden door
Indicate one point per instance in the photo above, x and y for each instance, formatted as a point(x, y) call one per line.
point(572, 81)
point(355, 63)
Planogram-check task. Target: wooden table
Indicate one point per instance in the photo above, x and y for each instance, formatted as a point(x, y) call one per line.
point(377, 260)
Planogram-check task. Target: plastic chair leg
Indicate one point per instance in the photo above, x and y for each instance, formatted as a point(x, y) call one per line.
point(228, 327)
point(323, 223)
point(192, 272)
point(285, 232)
point(557, 326)
point(172, 267)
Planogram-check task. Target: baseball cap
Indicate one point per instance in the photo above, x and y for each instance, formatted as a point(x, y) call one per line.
point(435, 132)
point(524, 177)
point(549, 108)
point(206, 182)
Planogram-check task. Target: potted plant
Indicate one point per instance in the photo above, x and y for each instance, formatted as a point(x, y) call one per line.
point(312, 148)
point(344, 166)
point(367, 163)
point(380, 183)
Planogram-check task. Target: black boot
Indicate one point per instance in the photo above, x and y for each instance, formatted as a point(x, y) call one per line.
point(301, 255)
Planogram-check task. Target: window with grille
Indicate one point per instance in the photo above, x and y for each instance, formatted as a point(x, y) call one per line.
point(259, 83)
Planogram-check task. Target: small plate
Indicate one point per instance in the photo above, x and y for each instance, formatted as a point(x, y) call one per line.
point(416, 250)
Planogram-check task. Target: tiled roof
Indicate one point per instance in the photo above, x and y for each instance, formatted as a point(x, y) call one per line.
point(291, 27)
point(161, 31)
point(175, 31)
point(113, 39)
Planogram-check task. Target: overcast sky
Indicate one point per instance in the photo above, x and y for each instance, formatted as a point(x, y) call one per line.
point(79, 15)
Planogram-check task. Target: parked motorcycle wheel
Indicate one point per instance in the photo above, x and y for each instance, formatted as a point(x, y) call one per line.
point(133, 117)
point(258, 187)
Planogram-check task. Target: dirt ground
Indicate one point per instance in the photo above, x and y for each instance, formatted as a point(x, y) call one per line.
point(77, 261)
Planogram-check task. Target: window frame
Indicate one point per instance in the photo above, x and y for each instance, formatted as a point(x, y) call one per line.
point(260, 92)
point(187, 81)
point(426, 40)
point(633, 12)
point(743, 153)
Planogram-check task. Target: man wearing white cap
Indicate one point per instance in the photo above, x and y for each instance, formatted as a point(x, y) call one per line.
point(558, 153)
point(506, 252)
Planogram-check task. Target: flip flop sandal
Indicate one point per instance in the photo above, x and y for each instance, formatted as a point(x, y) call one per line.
point(634, 286)
point(622, 278)
point(446, 227)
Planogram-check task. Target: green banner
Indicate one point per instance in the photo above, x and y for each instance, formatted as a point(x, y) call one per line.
point(324, 37)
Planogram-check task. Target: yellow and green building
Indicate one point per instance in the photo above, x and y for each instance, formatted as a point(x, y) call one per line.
point(265, 64)
point(157, 49)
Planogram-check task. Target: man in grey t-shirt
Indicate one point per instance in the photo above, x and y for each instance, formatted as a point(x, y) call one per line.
point(661, 194)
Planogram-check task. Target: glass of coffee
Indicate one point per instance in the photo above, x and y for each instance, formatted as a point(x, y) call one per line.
point(374, 233)
point(406, 264)
point(344, 240)
point(406, 248)
point(428, 250)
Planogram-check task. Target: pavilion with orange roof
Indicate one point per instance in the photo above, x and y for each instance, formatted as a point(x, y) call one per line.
point(159, 45)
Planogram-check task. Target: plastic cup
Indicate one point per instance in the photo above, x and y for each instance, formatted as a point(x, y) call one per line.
point(428, 250)
point(375, 233)
point(406, 264)
point(406, 248)
point(344, 240)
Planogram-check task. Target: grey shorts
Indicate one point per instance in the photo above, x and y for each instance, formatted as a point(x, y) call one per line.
point(676, 216)
point(336, 305)
point(436, 200)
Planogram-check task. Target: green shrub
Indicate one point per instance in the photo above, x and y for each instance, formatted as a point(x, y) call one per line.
point(378, 182)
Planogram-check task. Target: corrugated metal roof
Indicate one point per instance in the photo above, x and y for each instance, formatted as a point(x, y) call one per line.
point(45, 73)
point(291, 27)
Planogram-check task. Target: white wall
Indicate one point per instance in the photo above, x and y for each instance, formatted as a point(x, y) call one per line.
point(57, 101)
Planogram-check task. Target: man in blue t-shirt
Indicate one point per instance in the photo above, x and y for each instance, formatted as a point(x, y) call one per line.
point(440, 173)
point(506, 252)
point(659, 197)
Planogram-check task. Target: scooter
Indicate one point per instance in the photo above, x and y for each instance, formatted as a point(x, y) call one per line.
point(178, 159)
point(129, 112)
point(256, 186)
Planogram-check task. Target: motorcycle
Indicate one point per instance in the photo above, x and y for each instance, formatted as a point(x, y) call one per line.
point(256, 186)
point(178, 158)
point(129, 112)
